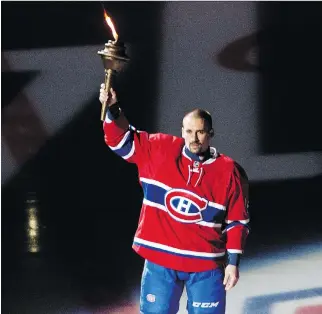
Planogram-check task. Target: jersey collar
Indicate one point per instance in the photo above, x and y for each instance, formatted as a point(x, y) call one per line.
point(208, 154)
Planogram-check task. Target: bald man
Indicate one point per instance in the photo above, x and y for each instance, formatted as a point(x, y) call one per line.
point(194, 218)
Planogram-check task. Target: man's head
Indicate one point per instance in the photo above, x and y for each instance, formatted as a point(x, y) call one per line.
point(197, 130)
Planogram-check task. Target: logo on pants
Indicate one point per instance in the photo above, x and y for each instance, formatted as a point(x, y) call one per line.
point(205, 304)
point(150, 298)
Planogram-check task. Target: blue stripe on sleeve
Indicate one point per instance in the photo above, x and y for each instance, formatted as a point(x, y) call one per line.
point(234, 224)
point(127, 146)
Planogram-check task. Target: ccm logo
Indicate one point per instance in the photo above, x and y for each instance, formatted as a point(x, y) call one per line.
point(205, 304)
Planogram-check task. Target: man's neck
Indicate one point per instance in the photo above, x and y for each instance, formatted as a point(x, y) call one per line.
point(198, 157)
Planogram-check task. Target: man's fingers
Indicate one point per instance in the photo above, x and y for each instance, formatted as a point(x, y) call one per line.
point(231, 283)
point(226, 279)
point(113, 93)
point(106, 96)
point(103, 96)
point(228, 285)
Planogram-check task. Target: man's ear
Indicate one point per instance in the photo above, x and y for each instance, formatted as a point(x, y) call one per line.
point(211, 133)
point(182, 131)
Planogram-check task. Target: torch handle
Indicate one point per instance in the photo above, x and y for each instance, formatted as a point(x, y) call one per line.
point(108, 84)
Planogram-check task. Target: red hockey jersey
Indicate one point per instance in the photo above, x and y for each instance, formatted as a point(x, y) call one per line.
point(193, 212)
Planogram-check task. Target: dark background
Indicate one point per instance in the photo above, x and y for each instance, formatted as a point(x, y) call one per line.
point(89, 199)
point(291, 65)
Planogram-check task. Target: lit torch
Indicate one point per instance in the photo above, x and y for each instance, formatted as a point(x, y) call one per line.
point(114, 59)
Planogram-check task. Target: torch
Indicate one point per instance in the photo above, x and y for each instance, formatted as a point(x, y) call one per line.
point(114, 59)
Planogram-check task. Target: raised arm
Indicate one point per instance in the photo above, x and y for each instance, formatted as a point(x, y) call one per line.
point(123, 139)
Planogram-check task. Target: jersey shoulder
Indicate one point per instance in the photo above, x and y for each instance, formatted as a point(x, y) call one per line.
point(164, 137)
point(230, 165)
point(166, 142)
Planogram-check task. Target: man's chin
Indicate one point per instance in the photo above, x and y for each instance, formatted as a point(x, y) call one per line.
point(196, 150)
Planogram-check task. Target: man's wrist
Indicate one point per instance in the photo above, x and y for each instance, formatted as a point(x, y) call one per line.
point(113, 111)
point(233, 259)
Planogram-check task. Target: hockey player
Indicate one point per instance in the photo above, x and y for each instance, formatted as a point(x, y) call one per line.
point(193, 222)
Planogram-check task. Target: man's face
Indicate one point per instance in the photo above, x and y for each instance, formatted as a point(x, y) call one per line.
point(195, 134)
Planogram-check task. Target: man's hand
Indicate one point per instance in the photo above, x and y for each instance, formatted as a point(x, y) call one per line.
point(231, 277)
point(109, 98)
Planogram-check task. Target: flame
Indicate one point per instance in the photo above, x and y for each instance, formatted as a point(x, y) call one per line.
point(111, 25)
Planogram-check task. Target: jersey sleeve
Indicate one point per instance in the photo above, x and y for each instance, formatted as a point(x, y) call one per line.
point(126, 141)
point(237, 216)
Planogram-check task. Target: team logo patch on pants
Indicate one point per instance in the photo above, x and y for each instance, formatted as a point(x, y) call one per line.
point(150, 297)
point(205, 304)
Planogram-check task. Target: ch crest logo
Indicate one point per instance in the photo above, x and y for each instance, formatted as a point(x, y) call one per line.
point(184, 206)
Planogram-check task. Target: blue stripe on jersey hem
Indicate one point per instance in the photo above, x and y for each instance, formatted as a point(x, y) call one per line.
point(179, 254)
